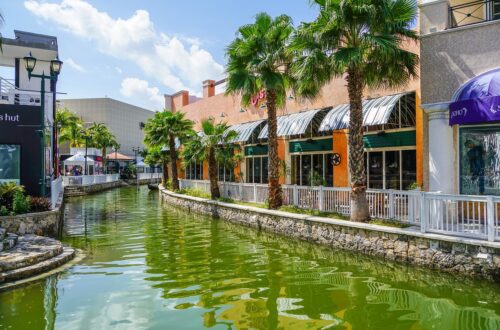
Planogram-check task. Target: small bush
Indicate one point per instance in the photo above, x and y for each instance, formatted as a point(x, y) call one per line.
point(40, 204)
point(226, 200)
point(7, 192)
point(4, 211)
point(20, 203)
point(195, 192)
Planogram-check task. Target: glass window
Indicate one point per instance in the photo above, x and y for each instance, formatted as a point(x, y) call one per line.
point(250, 170)
point(296, 170)
point(306, 167)
point(480, 160)
point(329, 170)
point(409, 162)
point(317, 170)
point(10, 163)
point(376, 170)
point(257, 168)
point(392, 170)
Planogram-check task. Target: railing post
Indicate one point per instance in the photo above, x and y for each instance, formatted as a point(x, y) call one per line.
point(295, 195)
point(391, 205)
point(321, 195)
point(490, 228)
point(423, 213)
point(255, 192)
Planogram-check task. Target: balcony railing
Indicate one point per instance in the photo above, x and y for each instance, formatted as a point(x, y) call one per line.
point(474, 12)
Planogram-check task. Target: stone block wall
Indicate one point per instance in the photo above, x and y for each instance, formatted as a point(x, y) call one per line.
point(40, 223)
point(450, 254)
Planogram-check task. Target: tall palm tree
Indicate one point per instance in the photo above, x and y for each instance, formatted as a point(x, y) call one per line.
point(63, 119)
point(258, 60)
point(1, 23)
point(70, 129)
point(213, 143)
point(103, 139)
point(162, 130)
point(360, 40)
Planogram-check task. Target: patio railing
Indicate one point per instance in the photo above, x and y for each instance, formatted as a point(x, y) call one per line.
point(144, 176)
point(85, 180)
point(456, 215)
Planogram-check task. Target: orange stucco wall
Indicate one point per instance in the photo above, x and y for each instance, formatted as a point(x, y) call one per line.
point(341, 172)
point(181, 173)
point(420, 145)
point(281, 155)
point(205, 170)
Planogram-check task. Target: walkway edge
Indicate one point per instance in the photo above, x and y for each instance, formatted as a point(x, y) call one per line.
point(466, 256)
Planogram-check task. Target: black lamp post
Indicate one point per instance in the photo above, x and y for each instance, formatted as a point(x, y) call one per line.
point(55, 70)
point(136, 151)
point(117, 166)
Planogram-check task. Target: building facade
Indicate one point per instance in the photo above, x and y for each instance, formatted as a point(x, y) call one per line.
point(460, 95)
point(124, 120)
point(313, 135)
point(26, 128)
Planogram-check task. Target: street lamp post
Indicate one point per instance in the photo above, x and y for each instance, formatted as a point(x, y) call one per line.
point(136, 151)
point(55, 70)
point(117, 166)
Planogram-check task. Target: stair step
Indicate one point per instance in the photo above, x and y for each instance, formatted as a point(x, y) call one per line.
point(29, 250)
point(20, 273)
point(8, 242)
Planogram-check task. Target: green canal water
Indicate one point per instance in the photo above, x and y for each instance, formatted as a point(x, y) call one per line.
point(149, 266)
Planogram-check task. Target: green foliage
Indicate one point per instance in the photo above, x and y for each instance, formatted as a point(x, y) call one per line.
point(226, 200)
point(129, 172)
point(414, 186)
point(317, 179)
point(3, 211)
point(168, 184)
point(69, 127)
point(40, 204)
point(361, 37)
point(20, 203)
point(195, 193)
point(7, 192)
point(298, 210)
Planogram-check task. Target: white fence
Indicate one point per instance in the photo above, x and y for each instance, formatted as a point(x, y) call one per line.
point(144, 176)
point(56, 189)
point(457, 215)
point(85, 180)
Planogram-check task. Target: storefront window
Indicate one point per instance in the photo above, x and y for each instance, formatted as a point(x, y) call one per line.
point(10, 163)
point(394, 169)
point(194, 171)
point(225, 173)
point(480, 160)
point(312, 170)
point(257, 169)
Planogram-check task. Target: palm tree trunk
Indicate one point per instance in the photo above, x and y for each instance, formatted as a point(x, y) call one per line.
point(359, 203)
point(212, 174)
point(173, 159)
point(275, 197)
point(165, 173)
point(103, 152)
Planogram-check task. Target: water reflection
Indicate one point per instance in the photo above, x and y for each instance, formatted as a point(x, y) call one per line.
point(157, 267)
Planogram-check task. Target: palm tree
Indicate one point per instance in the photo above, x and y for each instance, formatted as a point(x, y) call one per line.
point(69, 127)
point(213, 143)
point(360, 40)
point(162, 130)
point(103, 139)
point(63, 119)
point(1, 23)
point(156, 155)
point(258, 60)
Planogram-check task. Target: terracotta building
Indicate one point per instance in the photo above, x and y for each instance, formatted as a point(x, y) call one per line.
point(313, 135)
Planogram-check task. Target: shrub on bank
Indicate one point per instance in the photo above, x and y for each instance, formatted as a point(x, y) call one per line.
point(13, 201)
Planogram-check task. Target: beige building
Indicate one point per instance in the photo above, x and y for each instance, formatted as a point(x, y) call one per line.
point(124, 120)
point(460, 70)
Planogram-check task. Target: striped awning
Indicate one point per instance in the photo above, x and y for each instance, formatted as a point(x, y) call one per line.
point(293, 124)
point(375, 112)
point(245, 130)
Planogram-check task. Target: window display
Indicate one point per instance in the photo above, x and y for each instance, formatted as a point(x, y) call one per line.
point(312, 169)
point(10, 163)
point(257, 169)
point(480, 160)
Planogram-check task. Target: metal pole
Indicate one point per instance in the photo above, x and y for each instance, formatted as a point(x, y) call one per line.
point(42, 134)
point(86, 143)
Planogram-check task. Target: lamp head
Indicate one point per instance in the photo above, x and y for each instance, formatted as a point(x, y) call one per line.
point(29, 63)
point(56, 66)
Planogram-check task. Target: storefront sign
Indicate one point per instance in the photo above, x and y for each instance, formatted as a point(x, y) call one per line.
point(479, 110)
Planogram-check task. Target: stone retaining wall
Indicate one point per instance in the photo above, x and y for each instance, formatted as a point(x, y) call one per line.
point(143, 181)
point(41, 223)
point(450, 254)
point(90, 189)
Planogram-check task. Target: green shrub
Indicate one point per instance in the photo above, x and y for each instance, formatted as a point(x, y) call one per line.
point(7, 192)
point(4, 211)
point(226, 200)
point(195, 192)
point(20, 203)
point(40, 204)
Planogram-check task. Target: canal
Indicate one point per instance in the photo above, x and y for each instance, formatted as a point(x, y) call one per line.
point(149, 266)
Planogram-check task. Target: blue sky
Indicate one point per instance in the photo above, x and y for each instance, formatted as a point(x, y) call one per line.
point(136, 51)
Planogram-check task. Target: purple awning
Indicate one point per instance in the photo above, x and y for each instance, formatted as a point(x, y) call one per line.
point(480, 110)
point(478, 100)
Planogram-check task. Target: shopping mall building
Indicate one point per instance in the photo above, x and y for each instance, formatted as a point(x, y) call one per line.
point(313, 135)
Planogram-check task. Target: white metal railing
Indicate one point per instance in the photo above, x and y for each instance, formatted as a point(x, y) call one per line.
point(56, 189)
point(457, 215)
point(145, 176)
point(85, 180)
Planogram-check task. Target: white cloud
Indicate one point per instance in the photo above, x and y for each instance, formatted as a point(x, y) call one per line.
point(118, 69)
point(137, 88)
point(69, 61)
point(176, 62)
